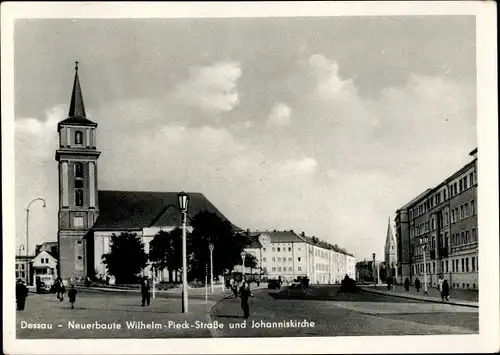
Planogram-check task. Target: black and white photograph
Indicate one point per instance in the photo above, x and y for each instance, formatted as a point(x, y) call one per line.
point(272, 176)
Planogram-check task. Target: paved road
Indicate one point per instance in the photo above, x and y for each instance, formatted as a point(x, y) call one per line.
point(343, 315)
point(360, 314)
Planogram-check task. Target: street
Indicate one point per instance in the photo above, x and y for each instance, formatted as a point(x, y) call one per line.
point(333, 315)
point(345, 315)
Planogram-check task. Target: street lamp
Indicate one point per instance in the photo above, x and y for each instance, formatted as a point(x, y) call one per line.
point(27, 222)
point(423, 242)
point(211, 249)
point(183, 206)
point(243, 255)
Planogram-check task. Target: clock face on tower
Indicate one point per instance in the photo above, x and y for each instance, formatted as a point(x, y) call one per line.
point(264, 239)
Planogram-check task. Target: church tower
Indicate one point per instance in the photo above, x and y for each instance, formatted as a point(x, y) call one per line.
point(391, 258)
point(78, 199)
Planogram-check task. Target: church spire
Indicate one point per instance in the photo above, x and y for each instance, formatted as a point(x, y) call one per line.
point(389, 238)
point(76, 108)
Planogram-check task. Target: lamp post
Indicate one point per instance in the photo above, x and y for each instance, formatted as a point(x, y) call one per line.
point(27, 222)
point(243, 255)
point(183, 206)
point(211, 249)
point(153, 278)
point(423, 242)
point(28, 232)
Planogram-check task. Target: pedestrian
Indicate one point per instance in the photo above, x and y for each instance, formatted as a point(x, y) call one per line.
point(245, 294)
point(445, 293)
point(146, 296)
point(234, 288)
point(38, 284)
point(407, 284)
point(21, 294)
point(440, 286)
point(258, 282)
point(389, 283)
point(417, 284)
point(72, 296)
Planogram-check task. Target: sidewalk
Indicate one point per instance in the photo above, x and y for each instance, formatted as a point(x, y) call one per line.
point(468, 298)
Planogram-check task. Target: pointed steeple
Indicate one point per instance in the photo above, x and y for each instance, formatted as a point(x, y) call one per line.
point(76, 108)
point(389, 240)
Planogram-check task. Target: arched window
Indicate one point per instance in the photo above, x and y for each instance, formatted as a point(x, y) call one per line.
point(78, 184)
point(78, 137)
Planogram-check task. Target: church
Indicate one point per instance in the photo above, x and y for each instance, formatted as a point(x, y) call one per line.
point(88, 216)
point(391, 253)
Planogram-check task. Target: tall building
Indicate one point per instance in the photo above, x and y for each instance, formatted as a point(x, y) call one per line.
point(390, 254)
point(289, 255)
point(88, 217)
point(447, 215)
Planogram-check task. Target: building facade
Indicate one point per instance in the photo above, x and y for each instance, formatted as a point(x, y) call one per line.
point(447, 215)
point(289, 255)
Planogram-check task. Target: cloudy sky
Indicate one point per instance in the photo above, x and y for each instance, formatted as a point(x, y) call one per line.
point(322, 125)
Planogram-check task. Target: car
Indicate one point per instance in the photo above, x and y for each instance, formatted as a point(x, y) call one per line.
point(47, 282)
point(273, 284)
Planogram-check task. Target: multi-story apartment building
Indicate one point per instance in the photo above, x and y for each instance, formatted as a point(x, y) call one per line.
point(447, 215)
point(289, 255)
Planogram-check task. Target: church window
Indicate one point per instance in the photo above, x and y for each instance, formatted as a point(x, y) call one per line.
point(78, 184)
point(78, 137)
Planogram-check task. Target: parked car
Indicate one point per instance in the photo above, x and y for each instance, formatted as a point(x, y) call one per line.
point(273, 284)
point(47, 282)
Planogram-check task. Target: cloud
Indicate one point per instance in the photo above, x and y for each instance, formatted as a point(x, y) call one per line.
point(280, 115)
point(211, 88)
point(303, 166)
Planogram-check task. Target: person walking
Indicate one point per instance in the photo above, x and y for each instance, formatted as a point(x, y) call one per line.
point(440, 286)
point(38, 284)
point(417, 284)
point(445, 293)
point(146, 296)
point(407, 284)
point(234, 288)
point(21, 294)
point(245, 294)
point(72, 296)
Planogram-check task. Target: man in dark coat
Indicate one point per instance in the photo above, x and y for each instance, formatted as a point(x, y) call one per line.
point(445, 294)
point(245, 294)
point(21, 294)
point(417, 284)
point(407, 284)
point(146, 296)
point(38, 284)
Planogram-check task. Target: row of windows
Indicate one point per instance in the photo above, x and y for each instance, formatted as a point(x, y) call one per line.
point(464, 238)
point(19, 266)
point(445, 266)
point(299, 268)
point(467, 209)
point(44, 260)
point(454, 189)
point(278, 249)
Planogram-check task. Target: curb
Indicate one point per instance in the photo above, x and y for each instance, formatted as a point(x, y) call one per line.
point(420, 299)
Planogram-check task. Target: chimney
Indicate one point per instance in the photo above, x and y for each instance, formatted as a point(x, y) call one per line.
point(303, 234)
point(275, 231)
point(248, 232)
point(291, 230)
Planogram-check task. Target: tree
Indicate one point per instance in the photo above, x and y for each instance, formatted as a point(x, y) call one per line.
point(250, 261)
point(166, 251)
point(228, 245)
point(126, 258)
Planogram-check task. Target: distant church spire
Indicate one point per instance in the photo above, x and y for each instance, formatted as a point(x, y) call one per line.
point(389, 238)
point(76, 108)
